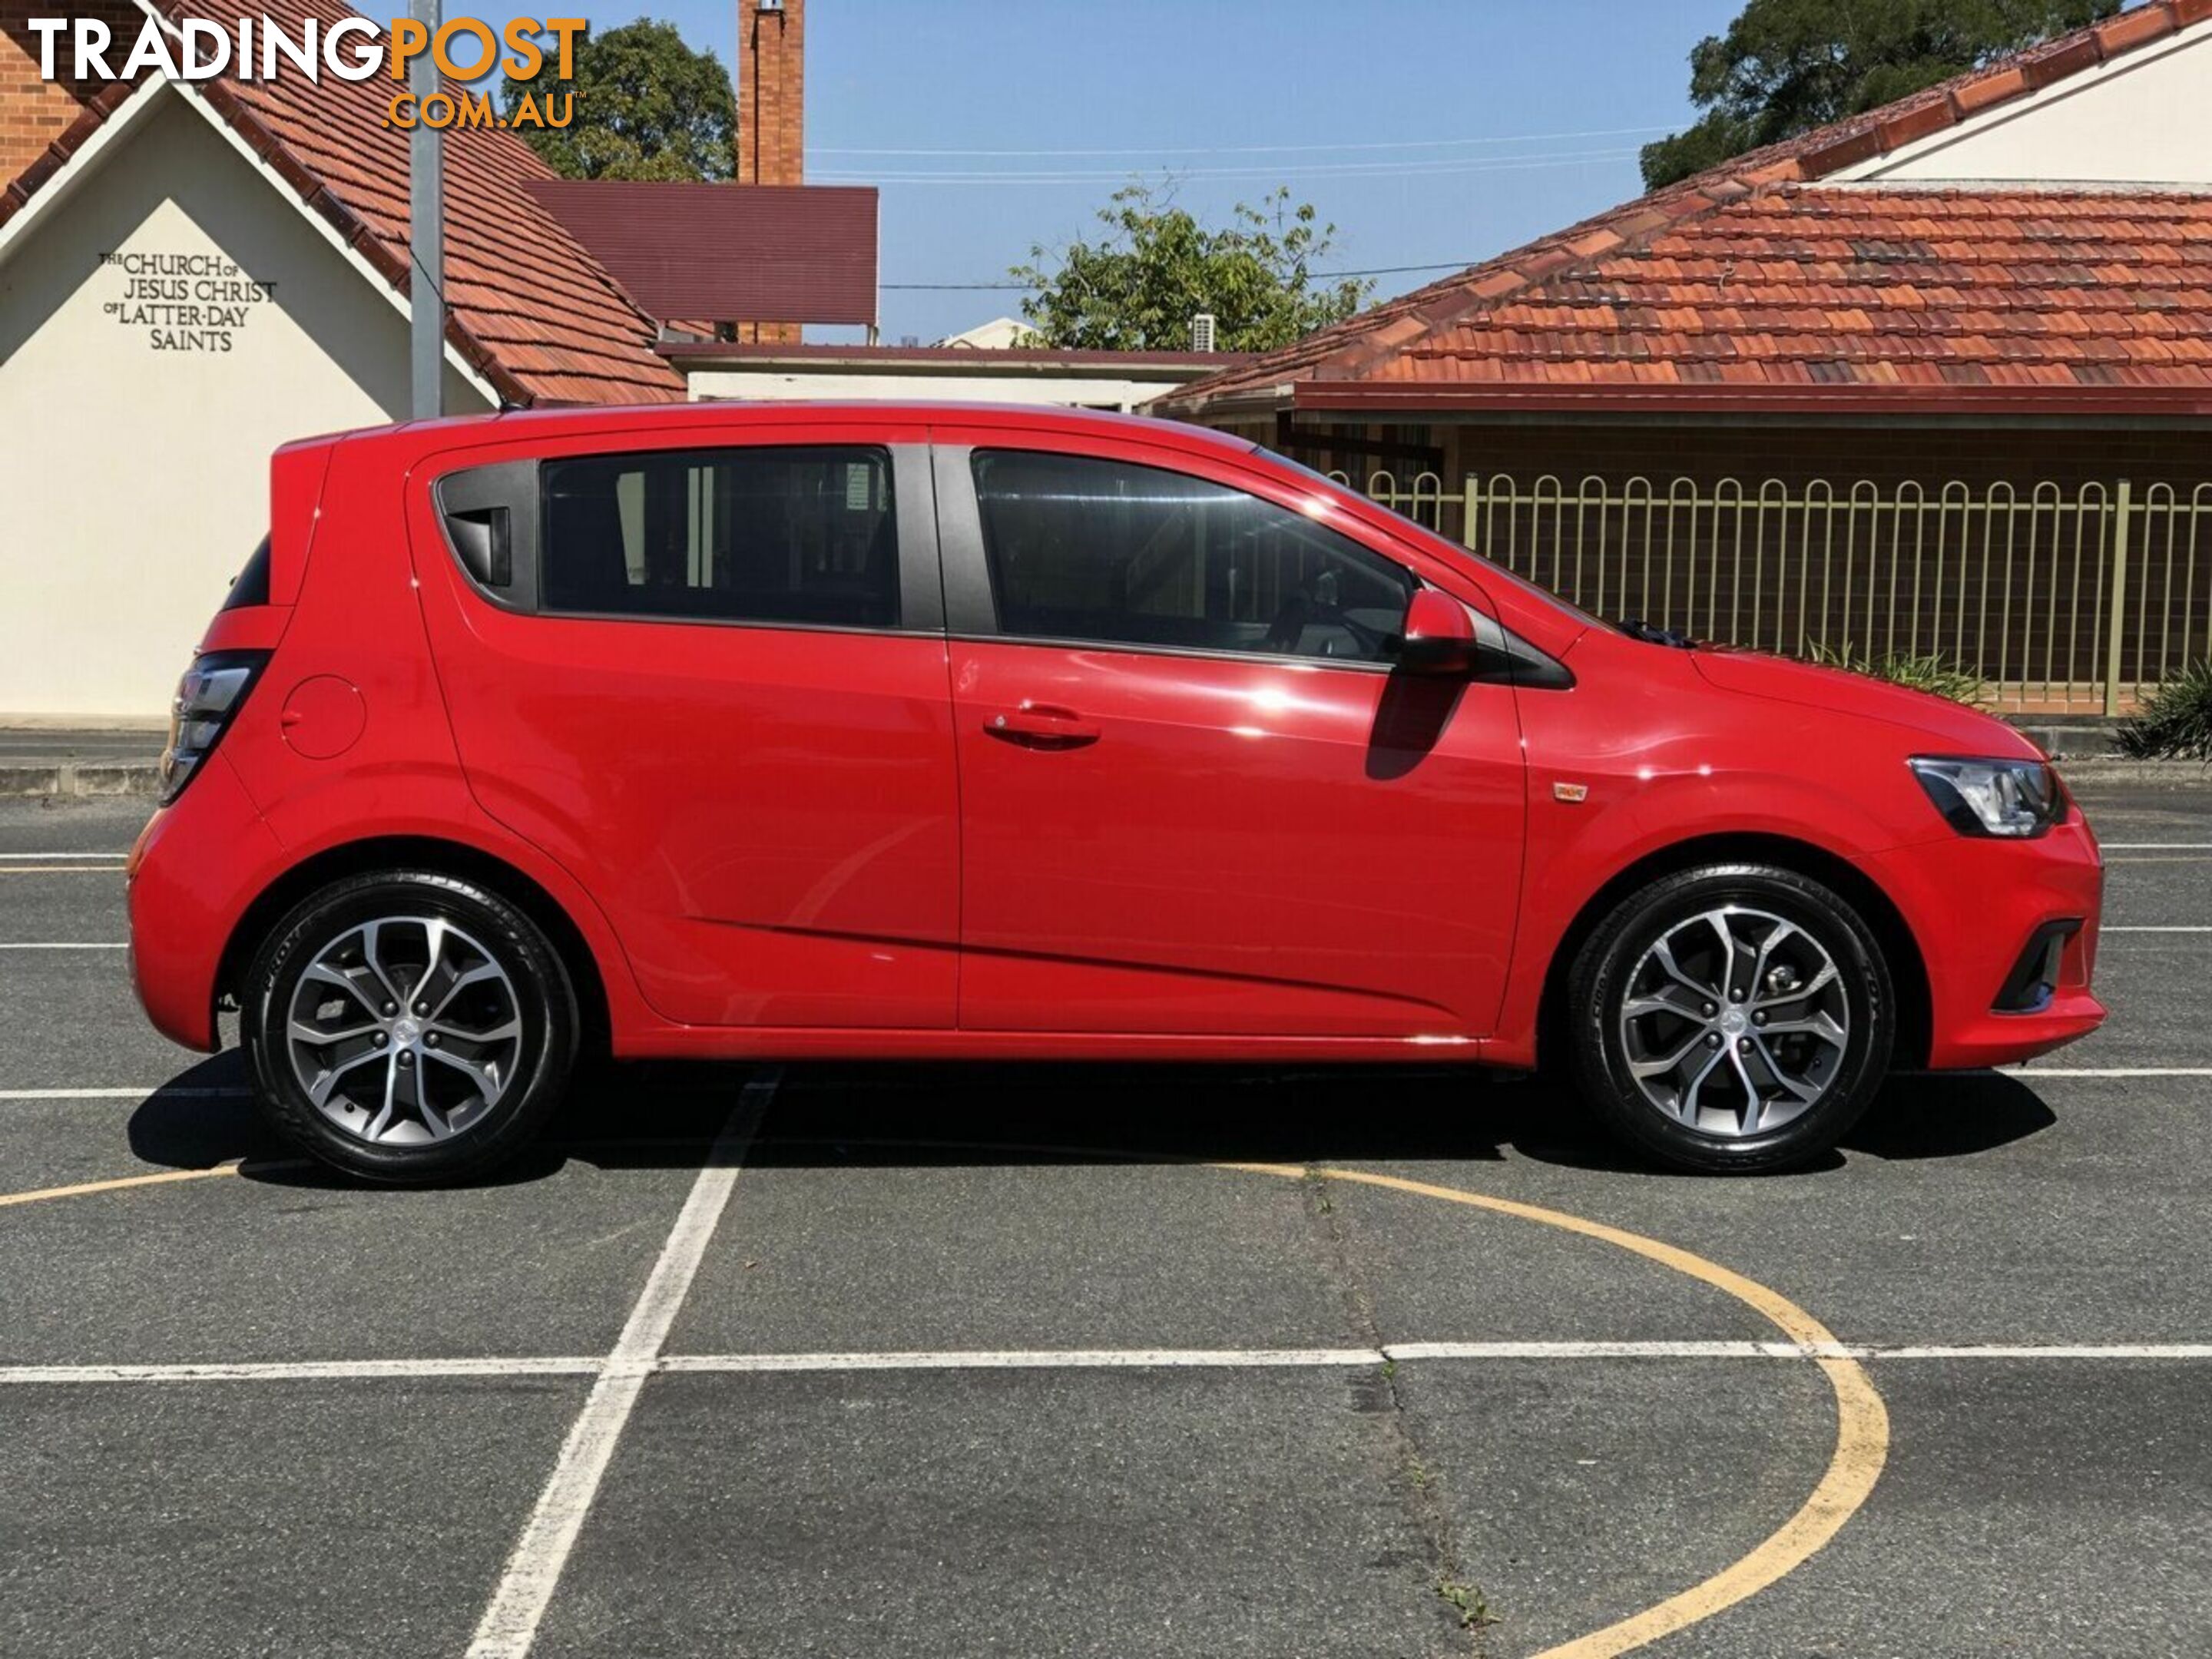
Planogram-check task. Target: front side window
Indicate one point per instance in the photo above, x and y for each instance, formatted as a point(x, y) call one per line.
point(1084, 549)
point(806, 536)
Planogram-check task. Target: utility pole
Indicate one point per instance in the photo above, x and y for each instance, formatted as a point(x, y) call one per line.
point(426, 203)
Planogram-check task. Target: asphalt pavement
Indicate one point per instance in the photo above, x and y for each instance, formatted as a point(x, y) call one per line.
point(1114, 1361)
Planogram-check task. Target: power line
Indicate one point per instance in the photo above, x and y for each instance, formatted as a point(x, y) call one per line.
point(1264, 149)
point(1004, 176)
point(1022, 288)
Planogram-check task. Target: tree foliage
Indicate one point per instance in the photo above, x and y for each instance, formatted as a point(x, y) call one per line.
point(1136, 288)
point(647, 106)
point(1787, 66)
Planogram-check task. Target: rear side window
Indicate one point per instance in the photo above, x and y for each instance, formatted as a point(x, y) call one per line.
point(1091, 550)
point(800, 535)
point(252, 587)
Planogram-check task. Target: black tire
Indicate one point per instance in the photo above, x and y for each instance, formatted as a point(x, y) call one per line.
point(478, 926)
point(1620, 958)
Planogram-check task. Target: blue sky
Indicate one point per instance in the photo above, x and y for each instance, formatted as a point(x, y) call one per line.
point(1431, 132)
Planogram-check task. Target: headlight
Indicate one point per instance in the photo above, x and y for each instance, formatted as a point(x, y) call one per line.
point(207, 698)
point(2016, 800)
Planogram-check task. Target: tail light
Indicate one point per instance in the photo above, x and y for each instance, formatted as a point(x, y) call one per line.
point(208, 698)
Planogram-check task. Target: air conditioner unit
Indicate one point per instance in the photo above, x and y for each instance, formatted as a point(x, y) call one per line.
point(1201, 332)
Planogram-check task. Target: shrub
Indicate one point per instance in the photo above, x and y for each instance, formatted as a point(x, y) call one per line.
point(2174, 722)
point(1933, 672)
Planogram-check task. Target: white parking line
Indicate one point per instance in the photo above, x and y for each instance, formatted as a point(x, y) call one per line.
point(2067, 1351)
point(1020, 1359)
point(309, 1371)
point(72, 858)
point(62, 944)
point(2032, 1070)
point(2159, 929)
point(2158, 846)
point(510, 1623)
point(1050, 1359)
point(158, 1092)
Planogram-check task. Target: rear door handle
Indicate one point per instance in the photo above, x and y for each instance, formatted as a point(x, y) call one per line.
point(1042, 725)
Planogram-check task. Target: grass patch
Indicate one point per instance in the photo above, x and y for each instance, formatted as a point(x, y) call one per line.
point(1472, 1607)
point(2174, 721)
point(1934, 672)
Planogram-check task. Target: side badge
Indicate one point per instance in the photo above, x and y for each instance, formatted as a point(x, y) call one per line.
point(1573, 793)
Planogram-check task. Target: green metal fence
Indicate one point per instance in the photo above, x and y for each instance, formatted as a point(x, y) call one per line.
point(2058, 600)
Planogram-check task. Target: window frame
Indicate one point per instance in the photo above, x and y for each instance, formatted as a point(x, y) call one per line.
point(518, 486)
point(971, 602)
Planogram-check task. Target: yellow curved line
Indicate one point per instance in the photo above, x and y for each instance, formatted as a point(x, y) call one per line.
point(1862, 1421)
point(163, 1178)
point(116, 1185)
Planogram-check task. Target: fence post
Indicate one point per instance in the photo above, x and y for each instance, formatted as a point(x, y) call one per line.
point(2118, 600)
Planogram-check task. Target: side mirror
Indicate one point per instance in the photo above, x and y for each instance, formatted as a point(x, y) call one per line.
point(1439, 636)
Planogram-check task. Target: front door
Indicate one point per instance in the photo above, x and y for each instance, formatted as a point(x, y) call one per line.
point(1195, 797)
point(714, 690)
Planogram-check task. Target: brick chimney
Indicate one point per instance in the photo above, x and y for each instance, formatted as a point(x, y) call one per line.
point(771, 112)
point(35, 112)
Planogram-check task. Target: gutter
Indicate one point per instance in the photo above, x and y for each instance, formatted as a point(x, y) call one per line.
point(1415, 399)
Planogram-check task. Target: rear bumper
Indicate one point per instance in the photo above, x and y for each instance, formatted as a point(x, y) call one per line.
point(1974, 906)
point(185, 897)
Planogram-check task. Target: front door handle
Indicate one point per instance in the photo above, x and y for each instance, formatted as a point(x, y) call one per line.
point(1042, 725)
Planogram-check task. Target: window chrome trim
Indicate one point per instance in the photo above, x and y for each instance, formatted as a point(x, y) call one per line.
point(1209, 654)
point(662, 619)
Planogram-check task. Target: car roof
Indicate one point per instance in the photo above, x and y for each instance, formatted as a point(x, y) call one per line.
point(739, 414)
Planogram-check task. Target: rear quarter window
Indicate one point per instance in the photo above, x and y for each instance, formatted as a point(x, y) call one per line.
point(251, 586)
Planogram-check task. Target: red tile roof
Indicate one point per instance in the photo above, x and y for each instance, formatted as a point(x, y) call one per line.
point(1753, 284)
point(528, 307)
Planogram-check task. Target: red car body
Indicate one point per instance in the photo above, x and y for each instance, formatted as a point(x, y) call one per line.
point(925, 842)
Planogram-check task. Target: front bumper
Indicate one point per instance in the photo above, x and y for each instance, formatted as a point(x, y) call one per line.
point(195, 866)
point(1974, 906)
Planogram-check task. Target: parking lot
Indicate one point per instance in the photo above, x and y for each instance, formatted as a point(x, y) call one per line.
point(931, 1361)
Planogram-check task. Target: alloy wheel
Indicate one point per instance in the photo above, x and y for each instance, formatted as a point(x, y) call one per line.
point(1735, 1021)
point(405, 1031)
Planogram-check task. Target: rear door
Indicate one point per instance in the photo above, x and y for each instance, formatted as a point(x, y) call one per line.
point(1195, 797)
point(709, 678)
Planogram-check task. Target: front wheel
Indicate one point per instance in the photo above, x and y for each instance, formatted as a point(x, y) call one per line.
point(408, 1026)
point(1735, 1017)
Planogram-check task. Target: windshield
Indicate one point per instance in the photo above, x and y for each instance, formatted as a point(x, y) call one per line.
point(1414, 529)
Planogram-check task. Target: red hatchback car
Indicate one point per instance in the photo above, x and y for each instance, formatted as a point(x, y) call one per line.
point(895, 730)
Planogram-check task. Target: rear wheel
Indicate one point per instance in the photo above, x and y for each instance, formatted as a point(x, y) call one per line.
point(1733, 1017)
point(408, 1026)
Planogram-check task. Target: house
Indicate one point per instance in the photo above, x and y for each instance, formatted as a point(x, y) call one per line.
point(997, 335)
point(949, 372)
point(193, 274)
point(1937, 379)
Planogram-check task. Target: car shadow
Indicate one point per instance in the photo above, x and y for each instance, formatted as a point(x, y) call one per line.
point(658, 1115)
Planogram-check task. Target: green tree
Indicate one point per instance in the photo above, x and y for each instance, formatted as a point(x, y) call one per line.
point(1787, 66)
point(1137, 288)
point(647, 106)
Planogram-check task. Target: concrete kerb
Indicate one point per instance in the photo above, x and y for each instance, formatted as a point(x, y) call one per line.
point(79, 780)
